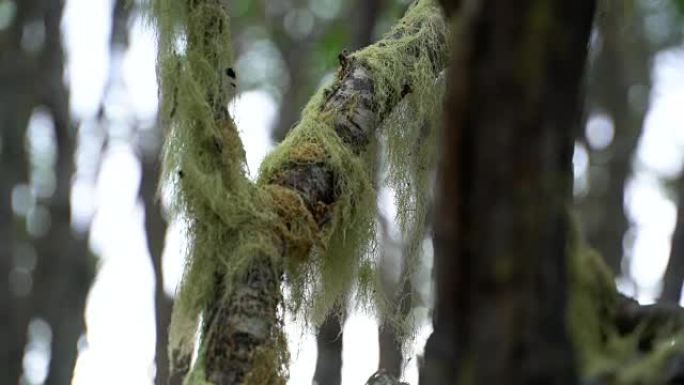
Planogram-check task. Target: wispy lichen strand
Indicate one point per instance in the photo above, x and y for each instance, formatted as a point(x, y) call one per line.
point(310, 216)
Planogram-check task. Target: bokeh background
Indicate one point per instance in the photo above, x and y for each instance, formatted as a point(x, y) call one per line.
point(89, 261)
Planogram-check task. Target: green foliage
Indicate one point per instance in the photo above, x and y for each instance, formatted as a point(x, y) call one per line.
point(679, 4)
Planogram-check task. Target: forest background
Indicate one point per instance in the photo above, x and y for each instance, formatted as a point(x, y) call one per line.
point(82, 237)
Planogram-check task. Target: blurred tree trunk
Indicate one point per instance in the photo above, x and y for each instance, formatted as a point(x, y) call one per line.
point(65, 268)
point(501, 223)
point(619, 86)
point(674, 274)
point(155, 230)
point(155, 225)
point(329, 358)
point(31, 72)
point(298, 53)
point(366, 14)
point(14, 109)
point(297, 59)
point(391, 355)
point(401, 292)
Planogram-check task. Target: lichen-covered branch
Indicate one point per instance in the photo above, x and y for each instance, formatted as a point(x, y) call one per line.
point(616, 340)
point(309, 219)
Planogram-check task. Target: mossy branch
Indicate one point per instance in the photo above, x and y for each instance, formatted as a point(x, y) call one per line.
point(309, 219)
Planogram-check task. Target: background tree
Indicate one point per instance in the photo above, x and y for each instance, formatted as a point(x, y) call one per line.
point(283, 51)
point(618, 90)
point(501, 228)
point(47, 268)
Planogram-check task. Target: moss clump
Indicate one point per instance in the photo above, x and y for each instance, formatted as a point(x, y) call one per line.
point(603, 352)
point(410, 134)
point(403, 66)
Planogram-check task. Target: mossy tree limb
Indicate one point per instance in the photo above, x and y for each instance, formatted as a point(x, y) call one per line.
point(309, 219)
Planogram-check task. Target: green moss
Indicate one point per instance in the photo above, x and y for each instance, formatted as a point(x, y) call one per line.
point(230, 220)
point(602, 352)
point(411, 130)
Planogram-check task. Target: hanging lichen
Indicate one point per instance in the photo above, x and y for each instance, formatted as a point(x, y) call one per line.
point(404, 66)
point(311, 214)
point(604, 353)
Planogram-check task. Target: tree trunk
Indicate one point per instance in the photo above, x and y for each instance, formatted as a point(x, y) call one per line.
point(674, 274)
point(501, 223)
point(330, 334)
point(32, 76)
point(155, 230)
point(14, 321)
point(619, 86)
point(329, 344)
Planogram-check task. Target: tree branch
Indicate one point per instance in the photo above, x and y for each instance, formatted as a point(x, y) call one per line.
point(354, 107)
point(309, 207)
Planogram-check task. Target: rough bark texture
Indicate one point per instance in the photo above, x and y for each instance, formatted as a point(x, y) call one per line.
point(155, 230)
point(619, 86)
point(501, 226)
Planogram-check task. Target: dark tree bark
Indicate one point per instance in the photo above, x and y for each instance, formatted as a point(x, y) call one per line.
point(674, 274)
point(65, 269)
point(155, 230)
point(366, 12)
point(401, 294)
point(14, 320)
point(501, 223)
point(620, 83)
point(329, 345)
point(391, 354)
